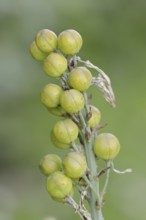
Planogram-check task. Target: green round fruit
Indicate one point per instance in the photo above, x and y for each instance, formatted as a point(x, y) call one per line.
point(59, 185)
point(80, 78)
point(55, 64)
point(62, 199)
point(58, 111)
point(74, 165)
point(70, 42)
point(36, 53)
point(58, 143)
point(72, 101)
point(95, 117)
point(106, 146)
point(50, 95)
point(50, 163)
point(46, 40)
point(65, 131)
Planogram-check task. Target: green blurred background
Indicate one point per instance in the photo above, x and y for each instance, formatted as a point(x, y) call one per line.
point(114, 34)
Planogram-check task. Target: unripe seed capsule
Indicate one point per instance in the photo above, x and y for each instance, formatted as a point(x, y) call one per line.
point(95, 117)
point(58, 143)
point(69, 42)
point(55, 64)
point(46, 40)
point(50, 95)
point(62, 200)
point(72, 101)
point(59, 185)
point(58, 111)
point(106, 146)
point(50, 163)
point(74, 165)
point(80, 78)
point(65, 131)
point(36, 52)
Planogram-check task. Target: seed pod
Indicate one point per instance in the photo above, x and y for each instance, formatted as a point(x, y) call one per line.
point(50, 163)
point(46, 40)
point(58, 143)
point(58, 111)
point(80, 78)
point(95, 117)
point(55, 64)
point(70, 42)
point(65, 131)
point(106, 146)
point(62, 200)
point(36, 53)
point(72, 101)
point(50, 95)
point(74, 165)
point(59, 185)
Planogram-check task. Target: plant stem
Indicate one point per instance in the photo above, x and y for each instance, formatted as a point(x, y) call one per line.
point(86, 102)
point(83, 213)
point(96, 213)
point(106, 180)
point(74, 146)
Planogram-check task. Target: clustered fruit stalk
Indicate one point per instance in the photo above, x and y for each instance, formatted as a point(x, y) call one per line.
point(78, 129)
point(95, 200)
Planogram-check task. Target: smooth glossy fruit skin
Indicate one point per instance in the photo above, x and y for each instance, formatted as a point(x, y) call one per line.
point(50, 95)
point(74, 165)
point(36, 53)
point(55, 64)
point(65, 131)
point(72, 101)
point(106, 146)
point(59, 185)
point(46, 40)
point(70, 42)
point(80, 78)
point(50, 163)
point(95, 117)
point(58, 143)
point(58, 111)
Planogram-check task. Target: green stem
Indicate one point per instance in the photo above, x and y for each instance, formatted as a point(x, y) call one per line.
point(75, 147)
point(106, 180)
point(86, 102)
point(89, 185)
point(96, 213)
point(82, 121)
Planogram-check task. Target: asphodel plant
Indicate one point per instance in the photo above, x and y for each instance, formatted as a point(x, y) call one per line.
point(78, 129)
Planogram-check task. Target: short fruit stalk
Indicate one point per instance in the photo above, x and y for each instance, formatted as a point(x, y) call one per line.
point(78, 130)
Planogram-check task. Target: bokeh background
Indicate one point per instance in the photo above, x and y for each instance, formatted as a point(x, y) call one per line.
point(114, 34)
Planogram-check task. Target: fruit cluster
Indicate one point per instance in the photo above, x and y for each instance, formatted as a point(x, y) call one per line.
point(79, 120)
